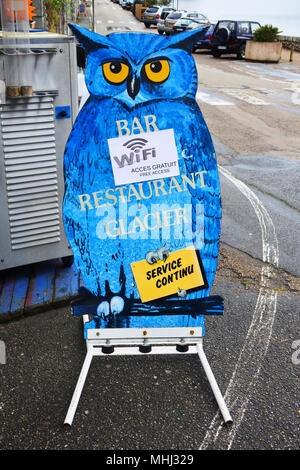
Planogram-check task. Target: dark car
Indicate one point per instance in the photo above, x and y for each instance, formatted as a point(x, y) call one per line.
point(204, 41)
point(229, 37)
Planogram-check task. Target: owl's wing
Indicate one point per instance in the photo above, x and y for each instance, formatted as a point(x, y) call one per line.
point(78, 148)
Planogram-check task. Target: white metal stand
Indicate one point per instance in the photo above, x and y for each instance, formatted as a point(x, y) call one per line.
point(127, 341)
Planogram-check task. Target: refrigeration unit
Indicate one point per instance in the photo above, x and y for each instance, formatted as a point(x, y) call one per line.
point(38, 106)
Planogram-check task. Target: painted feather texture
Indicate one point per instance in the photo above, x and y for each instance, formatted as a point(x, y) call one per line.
point(104, 262)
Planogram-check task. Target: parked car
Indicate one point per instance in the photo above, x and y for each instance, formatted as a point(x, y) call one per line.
point(171, 20)
point(205, 41)
point(153, 14)
point(229, 37)
point(161, 20)
point(198, 16)
point(185, 24)
point(128, 4)
point(123, 4)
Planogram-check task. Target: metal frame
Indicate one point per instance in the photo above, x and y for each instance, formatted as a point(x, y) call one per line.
point(127, 341)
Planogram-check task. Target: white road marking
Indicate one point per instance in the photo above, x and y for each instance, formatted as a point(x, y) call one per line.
point(212, 100)
point(243, 381)
point(110, 21)
point(244, 97)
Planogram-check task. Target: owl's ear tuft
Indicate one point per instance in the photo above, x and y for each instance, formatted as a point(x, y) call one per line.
point(187, 39)
point(89, 40)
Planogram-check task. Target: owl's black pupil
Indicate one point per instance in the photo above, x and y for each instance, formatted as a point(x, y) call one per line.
point(155, 67)
point(115, 67)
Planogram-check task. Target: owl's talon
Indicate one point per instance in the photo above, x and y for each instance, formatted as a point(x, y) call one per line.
point(103, 310)
point(116, 305)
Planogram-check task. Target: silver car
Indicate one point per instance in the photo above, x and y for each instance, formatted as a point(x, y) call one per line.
point(197, 16)
point(171, 20)
point(161, 20)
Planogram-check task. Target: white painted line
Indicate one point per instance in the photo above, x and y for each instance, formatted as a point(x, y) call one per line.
point(212, 100)
point(245, 97)
point(243, 380)
point(110, 21)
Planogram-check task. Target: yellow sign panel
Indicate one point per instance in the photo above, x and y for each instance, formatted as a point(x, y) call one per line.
point(180, 271)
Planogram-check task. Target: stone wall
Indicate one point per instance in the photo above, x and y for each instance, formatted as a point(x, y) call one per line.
point(288, 42)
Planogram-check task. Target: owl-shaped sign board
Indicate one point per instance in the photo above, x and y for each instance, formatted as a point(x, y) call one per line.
point(142, 208)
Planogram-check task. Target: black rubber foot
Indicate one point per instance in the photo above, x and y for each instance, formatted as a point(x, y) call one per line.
point(182, 347)
point(108, 349)
point(145, 349)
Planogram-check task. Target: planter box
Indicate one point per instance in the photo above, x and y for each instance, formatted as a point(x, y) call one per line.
point(263, 51)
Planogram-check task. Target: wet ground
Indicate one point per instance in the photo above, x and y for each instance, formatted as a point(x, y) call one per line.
point(252, 111)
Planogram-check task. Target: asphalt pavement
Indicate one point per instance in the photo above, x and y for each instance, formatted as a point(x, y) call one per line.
point(165, 402)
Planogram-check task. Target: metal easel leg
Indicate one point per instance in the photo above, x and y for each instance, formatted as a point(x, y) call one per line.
point(79, 388)
point(214, 386)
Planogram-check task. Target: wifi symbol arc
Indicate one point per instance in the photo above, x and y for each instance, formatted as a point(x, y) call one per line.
point(136, 143)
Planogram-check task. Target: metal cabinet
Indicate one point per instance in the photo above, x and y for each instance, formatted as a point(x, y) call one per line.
point(33, 132)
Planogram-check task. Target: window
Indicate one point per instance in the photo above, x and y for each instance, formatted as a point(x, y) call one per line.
point(174, 16)
point(254, 27)
point(244, 28)
point(227, 24)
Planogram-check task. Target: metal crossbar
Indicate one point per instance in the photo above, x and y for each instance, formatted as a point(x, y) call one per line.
point(144, 341)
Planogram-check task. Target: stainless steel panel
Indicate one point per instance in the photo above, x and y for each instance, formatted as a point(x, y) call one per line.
point(31, 157)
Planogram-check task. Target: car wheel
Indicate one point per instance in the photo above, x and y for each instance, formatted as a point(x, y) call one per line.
point(216, 52)
point(147, 25)
point(241, 52)
point(160, 32)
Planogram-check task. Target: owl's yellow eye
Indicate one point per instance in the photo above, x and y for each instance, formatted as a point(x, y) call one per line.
point(158, 70)
point(115, 72)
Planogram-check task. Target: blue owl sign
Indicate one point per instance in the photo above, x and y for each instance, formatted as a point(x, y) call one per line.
point(142, 207)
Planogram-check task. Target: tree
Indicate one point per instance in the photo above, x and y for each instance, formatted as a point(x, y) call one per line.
point(55, 10)
point(149, 3)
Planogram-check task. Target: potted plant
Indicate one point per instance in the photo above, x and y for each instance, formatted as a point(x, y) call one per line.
point(265, 46)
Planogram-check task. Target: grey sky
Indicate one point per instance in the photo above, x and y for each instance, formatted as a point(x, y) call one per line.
point(259, 7)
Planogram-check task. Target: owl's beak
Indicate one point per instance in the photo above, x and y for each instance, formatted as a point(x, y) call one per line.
point(133, 85)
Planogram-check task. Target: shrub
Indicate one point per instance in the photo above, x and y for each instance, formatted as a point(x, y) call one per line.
point(267, 33)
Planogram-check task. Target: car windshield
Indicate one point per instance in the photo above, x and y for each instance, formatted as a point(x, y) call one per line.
point(174, 16)
point(183, 21)
point(152, 10)
point(227, 24)
point(196, 15)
